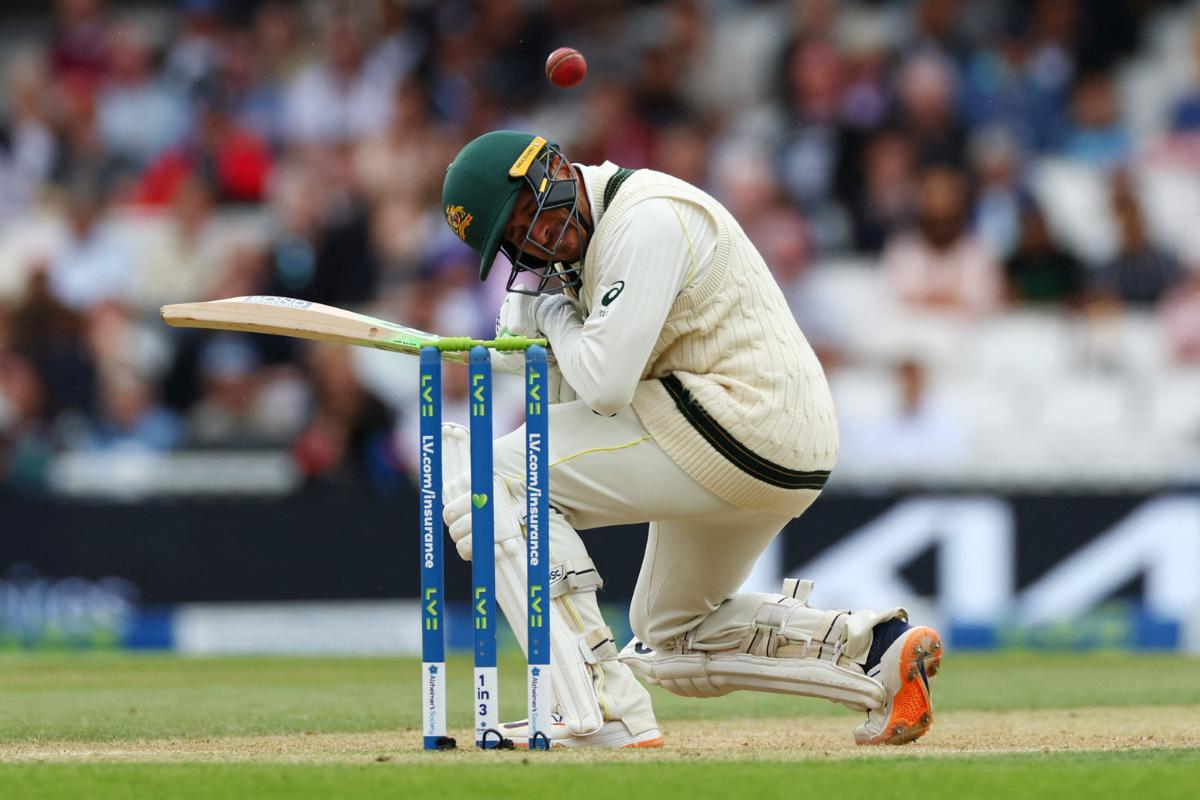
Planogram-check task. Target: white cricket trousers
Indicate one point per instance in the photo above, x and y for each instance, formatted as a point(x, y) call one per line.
point(610, 471)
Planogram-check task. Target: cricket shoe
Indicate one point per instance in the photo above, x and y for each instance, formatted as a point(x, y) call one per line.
point(612, 734)
point(912, 656)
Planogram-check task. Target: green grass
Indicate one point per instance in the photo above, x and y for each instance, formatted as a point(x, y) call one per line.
point(96, 696)
point(1157, 774)
point(112, 697)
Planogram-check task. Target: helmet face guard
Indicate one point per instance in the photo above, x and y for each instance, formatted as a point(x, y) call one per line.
point(536, 269)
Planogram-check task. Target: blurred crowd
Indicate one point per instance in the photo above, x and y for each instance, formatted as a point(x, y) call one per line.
point(156, 153)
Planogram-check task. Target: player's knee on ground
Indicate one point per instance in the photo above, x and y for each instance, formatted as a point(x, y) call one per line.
point(784, 646)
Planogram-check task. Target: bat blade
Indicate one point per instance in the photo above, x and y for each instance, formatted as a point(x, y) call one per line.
point(286, 316)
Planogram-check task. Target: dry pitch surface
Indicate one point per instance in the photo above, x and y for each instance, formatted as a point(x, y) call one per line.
point(956, 733)
point(1006, 725)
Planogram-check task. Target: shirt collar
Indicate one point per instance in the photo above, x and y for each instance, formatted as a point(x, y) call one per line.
point(595, 178)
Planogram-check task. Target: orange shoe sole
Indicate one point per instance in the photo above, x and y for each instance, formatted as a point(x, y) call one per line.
point(912, 709)
point(657, 741)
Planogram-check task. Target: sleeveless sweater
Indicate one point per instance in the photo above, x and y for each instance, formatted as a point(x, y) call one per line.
point(732, 391)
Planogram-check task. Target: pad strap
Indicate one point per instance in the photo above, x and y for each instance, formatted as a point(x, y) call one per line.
point(598, 645)
point(798, 589)
point(770, 632)
point(573, 576)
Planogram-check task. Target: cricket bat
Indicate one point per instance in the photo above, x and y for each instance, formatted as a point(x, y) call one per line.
point(286, 316)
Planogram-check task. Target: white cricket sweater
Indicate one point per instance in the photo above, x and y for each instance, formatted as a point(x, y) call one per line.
point(725, 381)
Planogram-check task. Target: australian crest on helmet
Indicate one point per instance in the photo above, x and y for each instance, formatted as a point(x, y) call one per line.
point(458, 219)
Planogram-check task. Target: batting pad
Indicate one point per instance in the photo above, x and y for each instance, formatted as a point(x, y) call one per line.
point(576, 649)
point(788, 648)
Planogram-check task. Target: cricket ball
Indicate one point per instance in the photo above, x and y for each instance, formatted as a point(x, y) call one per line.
point(566, 67)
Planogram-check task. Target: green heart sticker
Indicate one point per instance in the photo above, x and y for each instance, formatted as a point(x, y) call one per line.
point(480, 500)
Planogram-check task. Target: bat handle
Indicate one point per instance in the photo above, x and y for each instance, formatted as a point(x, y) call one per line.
point(507, 343)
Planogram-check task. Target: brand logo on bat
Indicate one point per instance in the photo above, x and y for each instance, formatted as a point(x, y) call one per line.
point(269, 300)
point(458, 219)
point(612, 293)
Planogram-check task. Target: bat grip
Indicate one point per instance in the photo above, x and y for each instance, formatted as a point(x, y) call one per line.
point(507, 343)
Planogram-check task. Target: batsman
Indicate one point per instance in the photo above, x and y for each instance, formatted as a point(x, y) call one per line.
point(686, 397)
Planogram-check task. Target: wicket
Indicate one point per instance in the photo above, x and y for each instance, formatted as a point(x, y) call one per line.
point(483, 565)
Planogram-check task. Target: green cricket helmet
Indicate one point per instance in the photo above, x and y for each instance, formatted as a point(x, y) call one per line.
point(480, 192)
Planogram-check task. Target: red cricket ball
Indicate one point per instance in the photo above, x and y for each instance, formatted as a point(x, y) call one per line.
point(566, 67)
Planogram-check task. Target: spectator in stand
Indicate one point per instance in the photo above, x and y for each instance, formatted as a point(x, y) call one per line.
point(1179, 151)
point(751, 191)
point(401, 232)
point(81, 155)
point(1096, 135)
point(819, 150)
point(130, 418)
point(1052, 59)
point(180, 254)
point(938, 265)
point(748, 186)
point(27, 145)
point(865, 94)
point(670, 37)
point(614, 132)
point(26, 437)
point(995, 161)
point(658, 85)
point(241, 405)
point(117, 339)
point(409, 159)
point(337, 99)
point(1040, 271)
point(96, 263)
point(1141, 273)
point(1019, 86)
point(193, 57)
point(683, 151)
point(348, 439)
point(255, 67)
point(1181, 319)
point(234, 162)
point(138, 115)
point(79, 45)
point(297, 215)
point(51, 336)
point(254, 99)
point(280, 41)
point(244, 271)
point(1185, 115)
point(507, 69)
point(814, 148)
point(926, 87)
point(939, 30)
point(924, 434)
point(887, 198)
point(453, 64)
point(324, 251)
point(925, 428)
point(403, 42)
